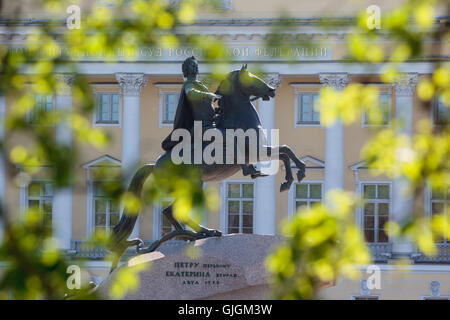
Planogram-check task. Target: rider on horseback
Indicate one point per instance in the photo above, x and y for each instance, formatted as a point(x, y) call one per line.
point(195, 104)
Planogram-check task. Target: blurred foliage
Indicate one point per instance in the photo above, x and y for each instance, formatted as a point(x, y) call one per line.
point(126, 280)
point(36, 267)
point(422, 158)
point(43, 67)
point(298, 266)
point(183, 184)
point(322, 244)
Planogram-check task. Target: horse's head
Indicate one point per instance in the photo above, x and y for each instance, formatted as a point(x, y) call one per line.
point(245, 84)
point(252, 85)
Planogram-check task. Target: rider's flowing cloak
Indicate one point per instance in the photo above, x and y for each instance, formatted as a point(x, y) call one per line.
point(183, 119)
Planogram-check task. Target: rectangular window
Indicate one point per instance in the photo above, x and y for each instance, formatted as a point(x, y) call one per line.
point(306, 194)
point(308, 108)
point(106, 209)
point(377, 202)
point(170, 103)
point(108, 108)
point(240, 199)
point(440, 202)
point(441, 112)
point(40, 197)
point(384, 118)
point(43, 103)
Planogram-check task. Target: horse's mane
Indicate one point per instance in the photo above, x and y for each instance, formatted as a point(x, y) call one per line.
point(225, 86)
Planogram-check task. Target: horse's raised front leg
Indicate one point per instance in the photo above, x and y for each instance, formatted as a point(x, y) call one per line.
point(298, 163)
point(273, 153)
point(289, 178)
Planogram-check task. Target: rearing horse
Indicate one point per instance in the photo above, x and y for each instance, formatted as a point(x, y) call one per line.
point(237, 112)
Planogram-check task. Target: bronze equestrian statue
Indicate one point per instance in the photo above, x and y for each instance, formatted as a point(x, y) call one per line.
point(235, 111)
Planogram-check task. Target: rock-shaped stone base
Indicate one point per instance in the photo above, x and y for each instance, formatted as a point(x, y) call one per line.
point(230, 267)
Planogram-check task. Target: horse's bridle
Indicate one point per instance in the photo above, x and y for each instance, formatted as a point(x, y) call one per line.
point(265, 98)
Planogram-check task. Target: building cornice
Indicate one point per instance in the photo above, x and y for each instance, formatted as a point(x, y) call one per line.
point(244, 29)
point(317, 21)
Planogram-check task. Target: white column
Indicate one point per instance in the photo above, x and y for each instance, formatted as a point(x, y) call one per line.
point(131, 85)
point(62, 197)
point(2, 164)
point(402, 201)
point(334, 138)
point(265, 188)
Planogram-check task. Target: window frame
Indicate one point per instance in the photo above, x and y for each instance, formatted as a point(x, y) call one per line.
point(24, 196)
point(299, 89)
point(108, 89)
point(429, 206)
point(224, 204)
point(292, 195)
point(30, 112)
point(434, 113)
point(163, 90)
point(361, 208)
point(299, 113)
point(164, 111)
point(107, 212)
point(382, 90)
point(92, 165)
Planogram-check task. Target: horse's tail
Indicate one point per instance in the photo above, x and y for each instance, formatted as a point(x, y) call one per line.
point(122, 230)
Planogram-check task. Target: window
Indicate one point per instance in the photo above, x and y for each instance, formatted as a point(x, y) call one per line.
point(385, 109)
point(377, 202)
point(240, 205)
point(169, 94)
point(170, 103)
point(306, 194)
point(440, 201)
point(102, 212)
point(107, 108)
point(42, 103)
point(106, 209)
point(441, 112)
point(308, 108)
point(40, 197)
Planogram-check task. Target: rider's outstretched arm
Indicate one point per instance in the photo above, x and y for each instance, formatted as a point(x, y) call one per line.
point(194, 94)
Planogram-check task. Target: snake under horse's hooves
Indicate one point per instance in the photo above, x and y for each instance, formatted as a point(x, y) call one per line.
point(180, 234)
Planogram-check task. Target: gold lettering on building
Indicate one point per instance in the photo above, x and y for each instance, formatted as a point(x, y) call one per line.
point(255, 52)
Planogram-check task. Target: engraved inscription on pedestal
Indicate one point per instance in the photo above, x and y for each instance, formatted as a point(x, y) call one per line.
point(229, 267)
point(197, 273)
